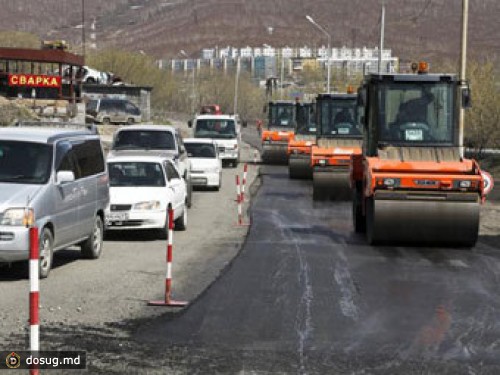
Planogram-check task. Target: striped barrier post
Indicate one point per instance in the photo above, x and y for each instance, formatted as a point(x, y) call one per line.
point(245, 170)
point(238, 199)
point(255, 157)
point(168, 301)
point(34, 294)
point(240, 204)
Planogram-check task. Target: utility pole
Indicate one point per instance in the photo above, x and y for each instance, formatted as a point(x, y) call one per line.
point(463, 72)
point(83, 29)
point(382, 36)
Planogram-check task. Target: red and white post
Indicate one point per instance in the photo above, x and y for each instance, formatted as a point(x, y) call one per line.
point(239, 200)
point(255, 157)
point(245, 171)
point(34, 293)
point(168, 301)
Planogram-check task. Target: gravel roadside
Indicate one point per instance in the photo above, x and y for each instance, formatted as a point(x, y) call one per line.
point(107, 297)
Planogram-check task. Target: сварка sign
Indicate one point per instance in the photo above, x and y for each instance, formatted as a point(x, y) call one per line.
point(33, 80)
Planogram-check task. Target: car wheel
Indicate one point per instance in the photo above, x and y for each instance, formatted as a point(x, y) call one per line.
point(106, 121)
point(217, 188)
point(181, 222)
point(130, 121)
point(92, 247)
point(46, 253)
point(189, 198)
point(90, 80)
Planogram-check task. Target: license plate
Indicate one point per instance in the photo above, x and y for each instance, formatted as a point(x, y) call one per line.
point(414, 135)
point(117, 216)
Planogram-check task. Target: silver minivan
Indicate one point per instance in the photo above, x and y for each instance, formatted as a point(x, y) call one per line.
point(56, 179)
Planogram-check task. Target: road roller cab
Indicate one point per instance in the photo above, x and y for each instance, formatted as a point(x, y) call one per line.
point(339, 136)
point(278, 131)
point(299, 147)
point(411, 183)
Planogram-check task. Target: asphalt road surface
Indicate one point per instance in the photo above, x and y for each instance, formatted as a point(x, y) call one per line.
point(308, 296)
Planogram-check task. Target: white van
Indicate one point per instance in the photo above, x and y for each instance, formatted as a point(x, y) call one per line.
point(57, 180)
point(225, 130)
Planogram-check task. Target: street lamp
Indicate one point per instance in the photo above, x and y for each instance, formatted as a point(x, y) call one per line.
point(310, 19)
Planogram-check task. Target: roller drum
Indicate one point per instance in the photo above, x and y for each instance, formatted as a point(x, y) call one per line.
point(437, 219)
point(275, 154)
point(300, 167)
point(331, 184)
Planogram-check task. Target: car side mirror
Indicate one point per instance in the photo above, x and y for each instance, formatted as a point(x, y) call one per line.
point(182, 149)
point(466, 98)
point(190, 123)
point(63, 177)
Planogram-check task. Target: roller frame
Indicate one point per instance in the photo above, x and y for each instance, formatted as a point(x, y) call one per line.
point(331, 183)
point(437, 218)
point(299, 166)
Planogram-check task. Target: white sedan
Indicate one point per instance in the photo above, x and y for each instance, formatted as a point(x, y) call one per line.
point(206, 165)
point(142, 188)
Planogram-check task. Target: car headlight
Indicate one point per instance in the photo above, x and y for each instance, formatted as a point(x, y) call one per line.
point(18, 217)
point(149, 205)
point(213, 170)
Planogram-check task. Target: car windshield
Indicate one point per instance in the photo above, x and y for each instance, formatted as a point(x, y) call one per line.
point(282, 116)
point(25, 162)
point(306, 123)
point(215, 128)
point(136, 174)
point(144, 139)
point(200, 150)
point(339, 118)
point(416, 113)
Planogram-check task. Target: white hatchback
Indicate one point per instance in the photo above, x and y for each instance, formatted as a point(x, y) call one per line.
point(142, 188)
point(206, 165)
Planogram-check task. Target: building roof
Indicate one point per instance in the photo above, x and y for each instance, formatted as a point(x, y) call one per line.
point(41, 55)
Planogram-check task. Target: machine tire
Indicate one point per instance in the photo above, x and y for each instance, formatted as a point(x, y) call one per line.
point(358, 220)
point(47, 247)
point(181, 222)
point(91, 248)
point(370, 208)
point(319, 194)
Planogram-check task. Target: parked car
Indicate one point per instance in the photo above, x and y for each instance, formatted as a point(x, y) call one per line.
point(225, 130)
point(86, 74)
point(57, 180)
point(155, 139)
point(116, 111)
point(142, 188)
point(206, 165)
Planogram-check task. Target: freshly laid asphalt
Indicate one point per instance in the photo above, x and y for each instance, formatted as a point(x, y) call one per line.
point(306, 295)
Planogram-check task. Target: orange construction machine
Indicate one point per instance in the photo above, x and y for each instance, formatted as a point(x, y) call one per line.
point(279, 129)
point(412, 183)
point(299, 147)
point(339, 136)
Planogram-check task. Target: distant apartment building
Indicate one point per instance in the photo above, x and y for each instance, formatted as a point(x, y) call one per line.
point(263, 62)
